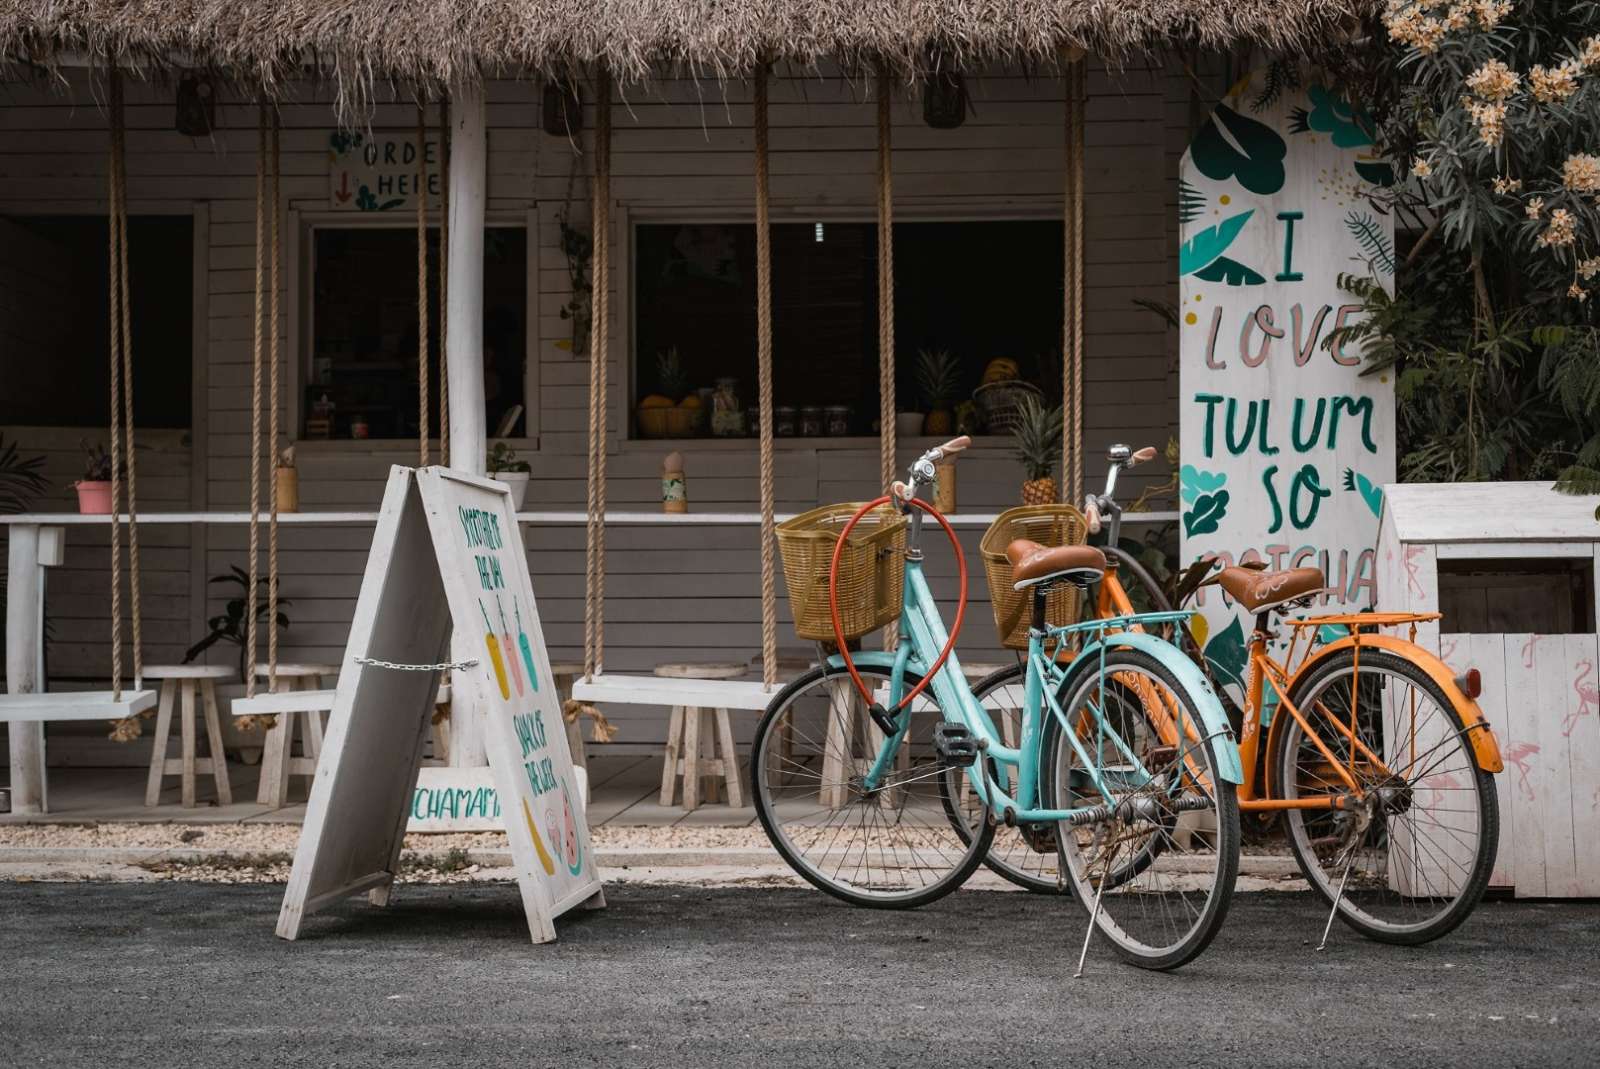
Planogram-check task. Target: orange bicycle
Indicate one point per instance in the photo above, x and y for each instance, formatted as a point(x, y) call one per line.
point(1372, 751)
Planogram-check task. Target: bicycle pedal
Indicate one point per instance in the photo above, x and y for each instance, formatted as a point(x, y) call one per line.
point(955, 745)
point(1041, 838)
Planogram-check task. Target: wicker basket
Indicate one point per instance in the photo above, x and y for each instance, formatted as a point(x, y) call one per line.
point(1048, 525)
point(1001, 404)
point(871, 569)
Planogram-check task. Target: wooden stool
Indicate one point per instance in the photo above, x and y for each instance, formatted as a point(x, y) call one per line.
point(1008, 721)
point(187, 681)
point(694, 736)
point(564, 672)
point(277, 760)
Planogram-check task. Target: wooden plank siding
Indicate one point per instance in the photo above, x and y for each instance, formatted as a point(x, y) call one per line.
point(680, 593)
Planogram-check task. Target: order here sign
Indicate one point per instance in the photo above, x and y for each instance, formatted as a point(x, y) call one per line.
point(378, 171)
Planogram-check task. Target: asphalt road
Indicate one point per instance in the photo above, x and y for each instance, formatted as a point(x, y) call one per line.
point(190, 975)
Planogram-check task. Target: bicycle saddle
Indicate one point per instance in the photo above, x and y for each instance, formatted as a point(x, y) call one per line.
point(1260, 591)
point(1032, 564)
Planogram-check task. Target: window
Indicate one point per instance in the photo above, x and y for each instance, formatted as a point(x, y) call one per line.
point(362, 365)
point(1525, 595)
point(55, 320)
point(981, 290)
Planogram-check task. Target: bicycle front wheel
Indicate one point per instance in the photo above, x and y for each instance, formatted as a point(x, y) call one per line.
point(1410, 859)
point(1155, 864)
point(891, 847)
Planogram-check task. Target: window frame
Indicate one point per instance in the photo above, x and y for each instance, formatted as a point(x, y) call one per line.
point(300, 286)
point(627, 221)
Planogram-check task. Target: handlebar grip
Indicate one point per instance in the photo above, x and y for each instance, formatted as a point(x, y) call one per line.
point(955, 445)
point(900, 492)
point(1091, 515)
point(1147, 453)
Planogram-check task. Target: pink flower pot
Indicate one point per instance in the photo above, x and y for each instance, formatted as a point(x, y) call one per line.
point(94, 498)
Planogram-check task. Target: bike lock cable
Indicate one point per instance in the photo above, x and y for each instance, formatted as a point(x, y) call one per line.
point(838, 623)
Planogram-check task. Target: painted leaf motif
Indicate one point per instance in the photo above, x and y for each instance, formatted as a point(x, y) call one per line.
point(1193, 482)
point(1210, 243)
point(1231, 145)
point(1370, 493)
point(1229, 272)
point(1225, 654)
point(1332, 114)
point(1207, 513)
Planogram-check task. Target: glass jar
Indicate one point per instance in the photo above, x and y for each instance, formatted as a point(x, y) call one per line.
point(727, 411)
point(784, 421)
point(838, 421)
point(811, 422)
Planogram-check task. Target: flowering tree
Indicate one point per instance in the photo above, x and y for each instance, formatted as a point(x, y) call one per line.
point(1495, 105)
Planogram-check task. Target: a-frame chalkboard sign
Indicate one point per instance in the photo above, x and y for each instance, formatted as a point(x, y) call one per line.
point(447, 552)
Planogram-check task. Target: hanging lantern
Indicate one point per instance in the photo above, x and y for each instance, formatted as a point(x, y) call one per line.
point(944, 95)
point(197, 107)
point(562, 108)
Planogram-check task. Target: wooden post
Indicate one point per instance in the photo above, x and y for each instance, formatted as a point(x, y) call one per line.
point(33, 549)
point(469, 195)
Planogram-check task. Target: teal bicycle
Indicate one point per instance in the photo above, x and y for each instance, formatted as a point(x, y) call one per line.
point(1125, 765)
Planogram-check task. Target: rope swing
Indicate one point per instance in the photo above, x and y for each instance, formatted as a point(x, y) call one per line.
point(769, 597)
point(1072, 290)
point(595, 543)
point(444, 281)
point(423, 420)
point(886, 405)
point(267, 345)
point(121, 349)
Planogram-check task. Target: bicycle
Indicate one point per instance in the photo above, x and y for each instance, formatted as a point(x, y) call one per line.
point(1353, 822)
point(1125, 763)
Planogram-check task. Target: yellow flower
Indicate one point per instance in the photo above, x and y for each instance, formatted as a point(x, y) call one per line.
point(1561, 231)
point(1577, 291)
point(1550, 85)
point(1535, 207)
point(1591, 52)
point(1507, 185)
point(1491, 120)
point(1589, 268)
point(1581, 173)
point(1490, 12)
point(1421, 168)
point(1494, 81)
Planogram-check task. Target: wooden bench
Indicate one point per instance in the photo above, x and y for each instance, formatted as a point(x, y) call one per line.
point(183, 685)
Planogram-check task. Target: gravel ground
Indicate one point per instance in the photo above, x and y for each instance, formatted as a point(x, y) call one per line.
point(263, 838)
point(185, 975)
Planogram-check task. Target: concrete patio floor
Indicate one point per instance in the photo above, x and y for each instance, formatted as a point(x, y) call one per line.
point(625, 787)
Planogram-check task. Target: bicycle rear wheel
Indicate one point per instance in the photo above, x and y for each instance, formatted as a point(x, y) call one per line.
point(1415, 859)
point(895, 847)
point(1157, 869)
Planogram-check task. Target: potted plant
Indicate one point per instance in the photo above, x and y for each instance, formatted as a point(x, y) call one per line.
point(288, 481)
point(94, 489)
point(1036, 436)
point(504, 466)
point(938, 375)
point(230, 626)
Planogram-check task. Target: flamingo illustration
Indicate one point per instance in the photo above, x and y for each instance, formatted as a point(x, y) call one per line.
point(1520, 754)
point(1447, 650)
point(1413, 568)
point(1588, 696)
point(1529, 648)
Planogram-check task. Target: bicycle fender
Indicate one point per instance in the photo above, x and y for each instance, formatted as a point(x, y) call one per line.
point(1480, 734)
point(1191, 678)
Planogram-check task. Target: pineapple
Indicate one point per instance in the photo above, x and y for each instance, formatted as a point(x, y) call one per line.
point(670, 378)
point(1037, 437)
point(938, 377)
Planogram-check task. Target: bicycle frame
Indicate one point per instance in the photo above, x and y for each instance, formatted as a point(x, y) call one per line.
point(922, 635)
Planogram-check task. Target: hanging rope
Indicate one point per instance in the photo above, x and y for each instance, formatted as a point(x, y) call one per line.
point(769, 596)
point(444, 281)
point(1072, 340)
point(275, 350)
point(886, 405)
point(594, 585)
point(121, 401)
point(423, 415)
point(255, 399)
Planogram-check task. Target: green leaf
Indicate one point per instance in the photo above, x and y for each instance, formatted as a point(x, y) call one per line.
point(1202, 249)
point(1229, 272)
point(1225, 654)
point(1207, 513)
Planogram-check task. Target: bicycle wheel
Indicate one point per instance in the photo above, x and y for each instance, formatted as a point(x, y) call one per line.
point(1015, 853)
point(1415, 858)
point(1157, 869)
point(895, 847)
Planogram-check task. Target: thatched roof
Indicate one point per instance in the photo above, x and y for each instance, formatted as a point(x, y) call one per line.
point(436, 41)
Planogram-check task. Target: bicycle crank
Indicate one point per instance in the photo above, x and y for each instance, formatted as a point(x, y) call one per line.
point(1153, 809)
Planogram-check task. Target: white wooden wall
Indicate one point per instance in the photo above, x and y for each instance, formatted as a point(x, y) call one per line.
point(678, 593)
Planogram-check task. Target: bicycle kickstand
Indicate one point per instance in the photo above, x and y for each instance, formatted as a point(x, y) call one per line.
point(1337, 898)
point(1094, 919)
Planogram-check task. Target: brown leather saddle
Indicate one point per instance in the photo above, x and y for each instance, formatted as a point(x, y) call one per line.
point(1033, 564)
point(1259, 591)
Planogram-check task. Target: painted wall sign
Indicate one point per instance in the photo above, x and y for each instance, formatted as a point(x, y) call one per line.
point(376, 171)
point(446, 556)
point(1284, 444)
point(454, 799)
